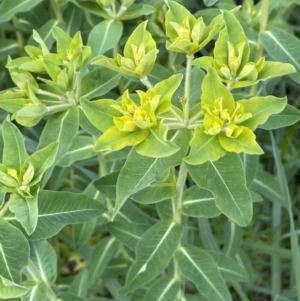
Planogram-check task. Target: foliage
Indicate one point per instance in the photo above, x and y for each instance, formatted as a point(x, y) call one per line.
point(135, 159)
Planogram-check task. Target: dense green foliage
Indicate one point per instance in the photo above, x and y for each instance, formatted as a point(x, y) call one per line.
point(149, 150)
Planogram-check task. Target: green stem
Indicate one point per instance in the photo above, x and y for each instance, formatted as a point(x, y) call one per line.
point(146, 82)
point(59, 108)
point(46, 93)
point(180, 187)
point(88, 19)
point(33, 271)
point(103, 172)
point(4, 209)
point(57, 11)
point(19, 35)
point(262, 28)
point(237, 287)
point(187, 88)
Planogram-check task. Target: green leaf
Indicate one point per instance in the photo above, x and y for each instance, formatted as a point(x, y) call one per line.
point(37, 292)
point(127, 232)
point(157, 191)
point(69, 297)
point(83, 232)
point(226, 180)
point(163, 289)
point(30, 115)
point(98, 82)
point(60, 208)
point(137, 10)
point(198, 202)
point(114, 139)
point(79, 285)
point(43, 258)
point(9, 8)
point(139, 171)
point(9, 289)
point(7, 47)
point(266, 185)
point(102, 254)
point(13, 244)
point(165, 210)
point(210, 2)
point(282, 47)
point(156, 144)
point(153, 254)
point(61, 128)
point(203, 148)
point(42, 160)
point(100, 113)
point(288, 116)
point(25, 210)
point(14, 151)
point(229, 267)
point(261, 108)
point(104, 36)
point(233, 33)
point(250, 163)
point(245, 142)
point(200, 268)
point(80, 149)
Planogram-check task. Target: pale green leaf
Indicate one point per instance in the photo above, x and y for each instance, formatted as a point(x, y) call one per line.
point(9, 289)
point(200, 268)
point(104, 36)
point(139, 171)
point(25, 210)
point(37, 292)
point(282, 47)
point(60, 208)
point(98, 82)
point(102, 254)
point(9, 8)
point(43, 259)
point(203, 148)
point(153, 254)
point(100, 113)
point(79, 285)
point(14, 151)
point(229, 267)
point(80, 149)
point(288, 116)
point(163, 289)
point(198, 202)
point(13, 245)
point(127, 232)
point(266, 185)
point(226, 180)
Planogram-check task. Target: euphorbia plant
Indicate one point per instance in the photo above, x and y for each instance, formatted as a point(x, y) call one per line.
point(166, 164)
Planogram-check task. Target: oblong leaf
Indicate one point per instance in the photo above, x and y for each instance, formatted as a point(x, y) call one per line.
point(225, 178)
point(60, 208)
point(282, 47)
point(102, 254)
point(104, 36)
point(164, 289)
point(199, 267)
point(153, 253)
point(13, 244)
point(14, 151)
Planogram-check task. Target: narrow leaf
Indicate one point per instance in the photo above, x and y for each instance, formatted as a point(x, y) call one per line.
point(13, 245)
point(60, 208)
point(14, 151)
point(102, 254)
point(200, 268)
point(225, 178)
point(153, 253)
